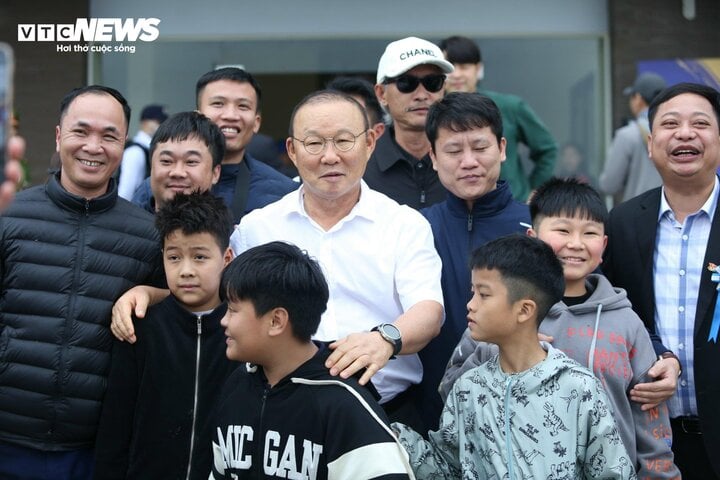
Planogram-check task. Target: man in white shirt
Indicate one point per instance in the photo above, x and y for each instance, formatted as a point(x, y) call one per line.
point(378, 256)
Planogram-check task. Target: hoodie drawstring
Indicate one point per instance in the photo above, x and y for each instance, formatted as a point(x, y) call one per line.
point(591, 353)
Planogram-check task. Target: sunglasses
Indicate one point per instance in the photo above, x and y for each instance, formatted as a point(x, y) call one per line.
point(409, 83)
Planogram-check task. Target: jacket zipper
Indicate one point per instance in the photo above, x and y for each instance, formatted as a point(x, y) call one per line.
point(195, 398)
point(62, 370)
point(258, 451)
point(470, 243)
point(508, 442)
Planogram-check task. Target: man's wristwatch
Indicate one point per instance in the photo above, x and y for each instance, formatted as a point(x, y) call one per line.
point(390, 334)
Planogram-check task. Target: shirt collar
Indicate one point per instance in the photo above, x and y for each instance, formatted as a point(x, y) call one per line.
point(388, 152)
point(708, 207)
point(363, 208)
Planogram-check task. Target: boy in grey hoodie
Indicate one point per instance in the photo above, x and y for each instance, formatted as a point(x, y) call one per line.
point(530, 411)
point(594, 324)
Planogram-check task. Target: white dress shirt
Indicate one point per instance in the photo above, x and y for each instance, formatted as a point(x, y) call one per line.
point(379, 261)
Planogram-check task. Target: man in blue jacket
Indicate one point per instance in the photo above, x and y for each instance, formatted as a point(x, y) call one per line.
point(231, 98)
point(521, 125)
point(467, 149)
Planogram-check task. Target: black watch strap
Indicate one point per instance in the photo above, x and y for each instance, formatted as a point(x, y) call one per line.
point(394, 340)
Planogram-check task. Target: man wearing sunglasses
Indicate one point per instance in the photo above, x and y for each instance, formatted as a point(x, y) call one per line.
point(410, 78)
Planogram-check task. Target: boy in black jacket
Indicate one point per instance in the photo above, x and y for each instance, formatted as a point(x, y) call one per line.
point(162, 389)
point(282, 415)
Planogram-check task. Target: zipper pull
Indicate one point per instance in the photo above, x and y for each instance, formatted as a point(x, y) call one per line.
point(199, 325)
point(470, 222)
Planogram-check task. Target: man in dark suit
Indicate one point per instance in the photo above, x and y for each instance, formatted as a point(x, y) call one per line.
point(660, 246)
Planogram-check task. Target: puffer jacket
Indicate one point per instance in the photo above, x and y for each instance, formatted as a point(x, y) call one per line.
point(64, 261)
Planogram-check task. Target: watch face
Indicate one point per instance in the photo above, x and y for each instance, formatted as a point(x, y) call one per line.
point(391, 331)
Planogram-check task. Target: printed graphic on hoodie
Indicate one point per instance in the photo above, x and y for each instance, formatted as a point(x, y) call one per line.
point(283, 457)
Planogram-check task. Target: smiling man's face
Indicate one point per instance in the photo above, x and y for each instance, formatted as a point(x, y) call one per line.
point(685, 142)
point(90, 141)
point(233, 107)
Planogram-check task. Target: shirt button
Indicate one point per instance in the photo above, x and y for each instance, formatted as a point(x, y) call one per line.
point(683, 383)
point(419, 165)
point(682, 272)
point(685, 237)
point(681, 308)
point(681, 346)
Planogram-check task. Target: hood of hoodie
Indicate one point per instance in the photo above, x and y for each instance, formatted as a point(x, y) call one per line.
point(603, 334)
point(540, 379)
point(603, 294)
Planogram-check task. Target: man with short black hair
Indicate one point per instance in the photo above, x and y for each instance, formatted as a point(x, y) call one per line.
point(68, 249)
point(663, 247)
point(465, 131)
point(410, 78)
point(520, 123)
point(186, 154)
point(231, 98)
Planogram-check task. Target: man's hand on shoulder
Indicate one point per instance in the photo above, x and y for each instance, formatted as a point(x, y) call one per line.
point(351, 354)
point(651, 394)
point(133, 302)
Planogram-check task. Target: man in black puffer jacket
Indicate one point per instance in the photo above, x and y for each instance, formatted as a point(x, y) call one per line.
point(68, 249)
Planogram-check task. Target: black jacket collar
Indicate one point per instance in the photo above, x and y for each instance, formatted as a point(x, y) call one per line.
point(388, 152)
point(68, 201)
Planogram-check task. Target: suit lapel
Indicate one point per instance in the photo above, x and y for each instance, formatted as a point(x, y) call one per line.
point(645, 223)
point(706, 295)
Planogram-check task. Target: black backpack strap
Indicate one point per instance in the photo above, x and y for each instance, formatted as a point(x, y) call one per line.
point(146, 151)
point(240, 195)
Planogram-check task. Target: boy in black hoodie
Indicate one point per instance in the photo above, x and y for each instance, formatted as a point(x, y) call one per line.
point(282, 415)
point(162, 389)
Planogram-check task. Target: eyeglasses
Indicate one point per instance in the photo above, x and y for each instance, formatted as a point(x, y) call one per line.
point(408, 83)
point(343, 142)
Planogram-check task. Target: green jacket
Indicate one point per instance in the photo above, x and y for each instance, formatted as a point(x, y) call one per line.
point(522, 125)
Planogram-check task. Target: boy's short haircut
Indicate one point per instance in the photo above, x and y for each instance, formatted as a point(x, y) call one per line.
point(279, 275)
point(198, 212)
point(567, 197)
point(185, 125)
point(461, 112)
point(232, 74)
point(528, 267)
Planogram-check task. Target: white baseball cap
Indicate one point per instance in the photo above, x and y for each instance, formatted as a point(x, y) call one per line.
point(406, 54)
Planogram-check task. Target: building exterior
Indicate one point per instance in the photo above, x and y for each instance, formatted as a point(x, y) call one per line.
point(568, 59)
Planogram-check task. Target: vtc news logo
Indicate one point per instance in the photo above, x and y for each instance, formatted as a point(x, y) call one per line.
point(91, 30)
